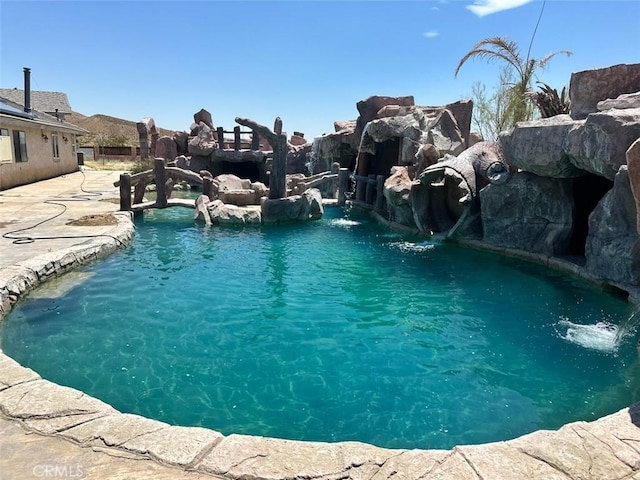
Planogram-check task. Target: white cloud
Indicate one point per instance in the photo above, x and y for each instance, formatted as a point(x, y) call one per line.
point(431, 34)
point(487, 7)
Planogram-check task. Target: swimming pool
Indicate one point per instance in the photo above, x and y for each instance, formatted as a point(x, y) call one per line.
point(332, 330)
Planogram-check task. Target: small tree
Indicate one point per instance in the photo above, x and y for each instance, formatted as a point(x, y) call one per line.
point(520, 103)
point(493, 114)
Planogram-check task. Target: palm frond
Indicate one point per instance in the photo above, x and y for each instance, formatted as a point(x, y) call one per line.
point(492, 48)
point(542, 63)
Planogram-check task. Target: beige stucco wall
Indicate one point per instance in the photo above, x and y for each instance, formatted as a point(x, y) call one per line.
point(40, 163)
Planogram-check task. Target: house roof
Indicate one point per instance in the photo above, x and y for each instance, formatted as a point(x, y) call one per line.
point(40, 100)
point(9, 109)
point(12, 109)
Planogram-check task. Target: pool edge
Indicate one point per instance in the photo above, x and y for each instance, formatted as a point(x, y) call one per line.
point(599, 449)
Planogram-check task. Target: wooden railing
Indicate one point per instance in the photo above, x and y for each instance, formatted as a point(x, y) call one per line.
point(164, 178)
point(369, 190)
point(237, 138)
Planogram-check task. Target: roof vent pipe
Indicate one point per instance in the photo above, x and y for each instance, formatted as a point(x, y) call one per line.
point(27, 90)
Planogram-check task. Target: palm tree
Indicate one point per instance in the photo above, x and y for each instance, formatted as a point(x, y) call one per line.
point(525, 68)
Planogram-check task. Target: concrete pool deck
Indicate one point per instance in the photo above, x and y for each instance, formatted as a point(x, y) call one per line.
point(52, 431)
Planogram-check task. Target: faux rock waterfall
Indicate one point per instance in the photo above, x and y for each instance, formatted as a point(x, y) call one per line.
point(563, 190)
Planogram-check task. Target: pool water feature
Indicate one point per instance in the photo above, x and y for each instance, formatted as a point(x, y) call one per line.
point(333, 330)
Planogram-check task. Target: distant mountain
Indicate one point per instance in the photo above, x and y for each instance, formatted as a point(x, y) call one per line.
point(108, 131)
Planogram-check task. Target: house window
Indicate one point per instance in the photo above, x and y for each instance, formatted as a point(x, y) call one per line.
point(20, 146)
point(6, 151)
point(55, 147)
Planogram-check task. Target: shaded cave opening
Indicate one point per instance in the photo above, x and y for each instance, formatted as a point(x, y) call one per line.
point(588, 190)
point(248, 170)
point(387, 155)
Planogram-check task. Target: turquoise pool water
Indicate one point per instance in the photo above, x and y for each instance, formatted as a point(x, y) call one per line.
point(333, 330)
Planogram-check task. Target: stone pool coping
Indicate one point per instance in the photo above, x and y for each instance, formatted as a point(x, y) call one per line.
point(607, 448)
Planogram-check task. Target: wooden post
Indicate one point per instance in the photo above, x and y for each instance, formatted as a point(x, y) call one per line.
point(236, 138)
point(278, 178)
point(207, 187)
point(368, 196)
point(220, 132)
point(379, 192)
point(343, 185)
point(277, 127)
point(125, 192)
point(161, 180)
point(255, 140)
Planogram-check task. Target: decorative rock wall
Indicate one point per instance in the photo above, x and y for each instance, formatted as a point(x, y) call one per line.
point(530, 213)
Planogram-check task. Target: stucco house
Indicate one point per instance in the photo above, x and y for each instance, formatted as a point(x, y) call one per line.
point(35, 145)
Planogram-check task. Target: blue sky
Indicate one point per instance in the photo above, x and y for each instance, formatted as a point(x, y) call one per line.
point(308, 62)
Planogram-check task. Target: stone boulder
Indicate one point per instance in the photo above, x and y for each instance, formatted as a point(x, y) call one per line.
point(330, 148)
point(223, 214)
point(370, 107)
point(633, 166)
point(340, 125)
point(182, 142)
point(462, 111)
point(589, 87)
point(529, 213)
point(383, 129)
point(297, 140)
point(395, 111)
point(298, 158)
point(229, 181)
point(203, 116)
point(203, 142)
point(182, 162)
point(613, 244)
point(201, 212)
point(600, 145)
point(538, 146)
point(166, 148)
point(397, 189)
point(443, 132)
point(235, 190)
point(426, 156)
point(307, 206)
point(624, 101)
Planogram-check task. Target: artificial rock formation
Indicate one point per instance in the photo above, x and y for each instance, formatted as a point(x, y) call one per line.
point(599, 145)
point(538, 146)
point(397, 189)
point(202, 142)
point(589, 87)
point(613, 243)
point(529, 213)
point(447, 191)
point(564, 185)
point(166, 148)
point(633, 165)
point(307, 206)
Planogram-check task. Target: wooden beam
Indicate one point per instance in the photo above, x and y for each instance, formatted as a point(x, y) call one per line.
point(161, 180)
point(125, 192)
point(343, 185)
